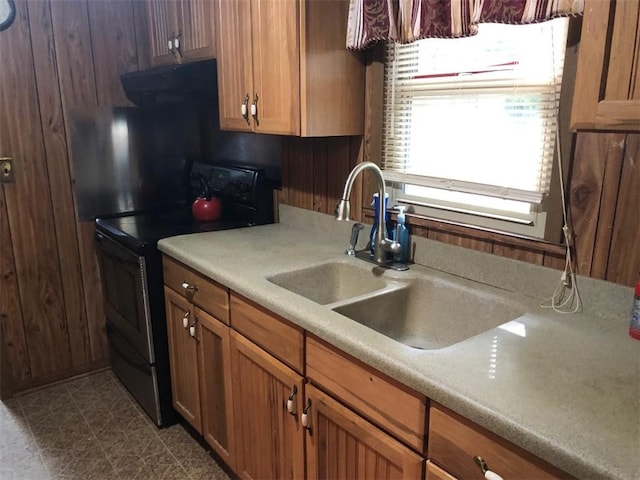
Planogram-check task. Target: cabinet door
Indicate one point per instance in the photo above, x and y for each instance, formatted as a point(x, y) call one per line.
point(196, 30)
point(269, 439)
point(235, 85)
point(216, 392)
point(183, 359)
point(342, 445)
point(275, 31)
point(162, 16)
point(607, 90)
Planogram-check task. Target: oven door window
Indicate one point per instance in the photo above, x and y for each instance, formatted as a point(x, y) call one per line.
point(125, 294)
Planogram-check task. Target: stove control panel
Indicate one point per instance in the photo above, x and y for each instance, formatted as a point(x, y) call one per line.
point(242, 185)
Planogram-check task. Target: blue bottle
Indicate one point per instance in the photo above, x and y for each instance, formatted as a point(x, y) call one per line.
point(401, 235)
point(374, 228)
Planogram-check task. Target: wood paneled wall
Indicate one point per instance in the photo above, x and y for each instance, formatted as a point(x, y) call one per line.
point(56, 56)
point(603, 196)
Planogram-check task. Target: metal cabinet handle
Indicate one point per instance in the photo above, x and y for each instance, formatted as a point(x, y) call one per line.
point(244, 109)
point(185, 319)
point(254, 109)
point(176, 43)
point(192, 330)
point(488, 474)
point(306, 415)
point(189, 290)
point(291, 401)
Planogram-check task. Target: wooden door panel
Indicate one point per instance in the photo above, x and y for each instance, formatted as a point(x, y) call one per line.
point(215, 379)
point(196, 22)
point(275, 28)
point(342, 445)
point(162, 17)
point(183, 360)
point(625, 52)
point(234, 62)
point(269, 440)
point(29, 205)
point(606, 95)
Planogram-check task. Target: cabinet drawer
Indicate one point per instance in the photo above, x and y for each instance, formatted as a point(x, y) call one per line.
point(206, 293)
point(454, 441)
point(436, 473)
point(276, 335)
point(393, 407)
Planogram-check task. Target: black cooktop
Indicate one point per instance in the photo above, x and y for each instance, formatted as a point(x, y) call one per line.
point(140, 231)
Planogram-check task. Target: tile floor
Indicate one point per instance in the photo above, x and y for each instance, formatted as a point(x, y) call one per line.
point(90, 428)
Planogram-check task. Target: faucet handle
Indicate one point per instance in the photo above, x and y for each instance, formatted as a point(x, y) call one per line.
point(355, 230)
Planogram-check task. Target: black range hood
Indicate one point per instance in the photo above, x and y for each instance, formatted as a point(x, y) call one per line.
point(193, 83)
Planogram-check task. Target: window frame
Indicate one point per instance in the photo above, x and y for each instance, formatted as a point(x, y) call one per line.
point(545, 222)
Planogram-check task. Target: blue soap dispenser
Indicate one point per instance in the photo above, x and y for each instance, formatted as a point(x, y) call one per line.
point(401, 235)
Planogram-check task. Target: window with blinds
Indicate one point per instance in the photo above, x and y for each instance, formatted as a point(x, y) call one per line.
point(469, 125)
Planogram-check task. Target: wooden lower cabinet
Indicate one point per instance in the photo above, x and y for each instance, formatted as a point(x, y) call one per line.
point(454, 442)
point(214, 366)
point(247, 402)
point(342, 445)
point(201, 373)
point(434, 472)
point(183, 358)
point(269, 439)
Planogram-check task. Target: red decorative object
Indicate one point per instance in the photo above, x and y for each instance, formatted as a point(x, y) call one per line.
point(207, 209)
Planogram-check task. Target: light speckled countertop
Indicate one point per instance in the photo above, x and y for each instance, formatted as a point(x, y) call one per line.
point(568, 391)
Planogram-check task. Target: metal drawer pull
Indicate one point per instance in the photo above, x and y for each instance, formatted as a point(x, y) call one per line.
point(306, 416)
point(488, 474)
point(291, 402)
point(192, 330)
point(185, 319)
point(189, 289)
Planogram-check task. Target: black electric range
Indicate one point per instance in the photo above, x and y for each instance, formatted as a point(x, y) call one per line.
point(132, 279)
point(140, 232)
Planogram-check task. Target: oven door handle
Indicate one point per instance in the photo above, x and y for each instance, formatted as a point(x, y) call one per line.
point(141, 366)
point(112, 249)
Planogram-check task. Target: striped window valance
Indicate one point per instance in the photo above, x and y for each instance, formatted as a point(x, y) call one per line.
point(405, 21)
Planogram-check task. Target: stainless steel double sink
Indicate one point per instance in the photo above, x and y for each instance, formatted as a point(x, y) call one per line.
point(414, 308)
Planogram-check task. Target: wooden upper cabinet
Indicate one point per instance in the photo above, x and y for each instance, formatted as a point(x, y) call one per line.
point(163, 26)
point(197, 29)
point(276, 66)
point(283, 68)
point(607, 91)
point(235, 77)
point(181, 30)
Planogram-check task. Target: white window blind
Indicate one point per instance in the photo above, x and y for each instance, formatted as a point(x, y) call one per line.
point(470, 123)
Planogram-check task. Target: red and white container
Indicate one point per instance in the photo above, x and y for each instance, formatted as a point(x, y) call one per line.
point(634, 327)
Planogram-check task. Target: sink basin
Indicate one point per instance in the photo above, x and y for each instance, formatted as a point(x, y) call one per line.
point(331, 282)
point(430, 313)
